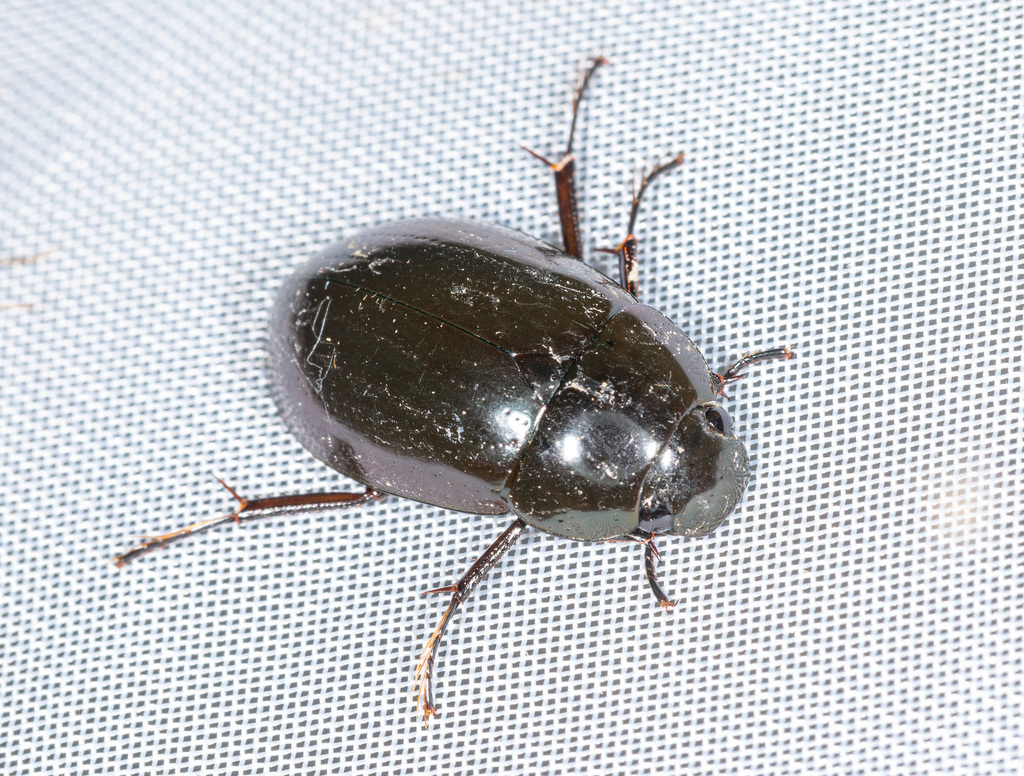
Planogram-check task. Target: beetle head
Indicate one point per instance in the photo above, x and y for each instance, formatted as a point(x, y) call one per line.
point(697, 478)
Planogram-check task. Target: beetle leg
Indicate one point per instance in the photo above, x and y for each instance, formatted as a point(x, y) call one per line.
point(628, 276)
point(565, 171)
point(460, 592)
point(651, 558)
point(249, 509)
point(735, 372)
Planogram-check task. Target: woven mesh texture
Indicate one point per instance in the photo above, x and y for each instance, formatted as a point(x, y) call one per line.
point(851, 189)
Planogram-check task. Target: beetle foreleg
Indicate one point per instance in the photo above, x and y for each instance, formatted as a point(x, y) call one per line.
point(735, 372)
point(460, 592)
point(249, 509)
point(651, 559)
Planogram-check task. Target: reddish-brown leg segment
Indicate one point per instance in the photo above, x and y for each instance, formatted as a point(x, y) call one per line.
point(249, 509)
point(565, 172)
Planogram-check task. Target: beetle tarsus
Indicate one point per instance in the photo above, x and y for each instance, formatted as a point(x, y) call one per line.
point(646, 179)
point(428, 658)
point(151, 543)
point(581, 87)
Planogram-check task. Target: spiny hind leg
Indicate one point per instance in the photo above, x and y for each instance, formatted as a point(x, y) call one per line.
point(565, 171)
point(249, 509)
point(460, 591)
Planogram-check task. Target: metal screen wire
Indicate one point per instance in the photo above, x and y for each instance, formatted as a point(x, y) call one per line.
point(851, 189)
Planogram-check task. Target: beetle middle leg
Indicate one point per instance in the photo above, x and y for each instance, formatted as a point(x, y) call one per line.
point(651, 559)
point(565, 171)
point(249, 509)
point(460, 592)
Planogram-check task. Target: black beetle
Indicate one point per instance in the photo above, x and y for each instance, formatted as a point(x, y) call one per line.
point(477, 369)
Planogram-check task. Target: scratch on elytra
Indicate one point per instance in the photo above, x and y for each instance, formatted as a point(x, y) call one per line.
point(319, 323)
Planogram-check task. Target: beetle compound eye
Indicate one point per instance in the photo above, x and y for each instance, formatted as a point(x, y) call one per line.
point(720, 419)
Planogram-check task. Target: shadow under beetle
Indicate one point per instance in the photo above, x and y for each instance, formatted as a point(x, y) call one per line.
point(477, 369)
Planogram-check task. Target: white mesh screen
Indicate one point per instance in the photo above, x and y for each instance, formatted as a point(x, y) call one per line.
point(851, 189)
